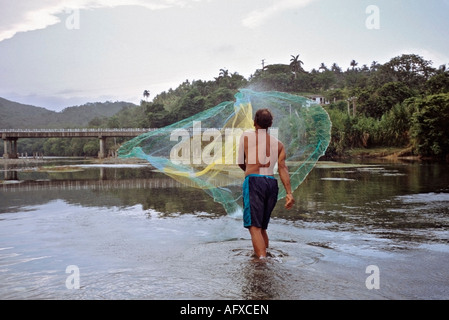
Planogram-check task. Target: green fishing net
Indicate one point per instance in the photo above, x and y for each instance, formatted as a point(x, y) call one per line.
point(202, 151)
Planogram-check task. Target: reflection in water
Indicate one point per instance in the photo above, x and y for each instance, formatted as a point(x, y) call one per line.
point(375, 198)
point(265, 279)
point(261, 282)
point(136, 234)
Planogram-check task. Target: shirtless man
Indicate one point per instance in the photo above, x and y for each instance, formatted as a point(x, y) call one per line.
point(258, 154)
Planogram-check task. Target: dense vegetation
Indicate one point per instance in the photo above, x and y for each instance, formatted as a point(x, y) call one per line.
point(402, 103)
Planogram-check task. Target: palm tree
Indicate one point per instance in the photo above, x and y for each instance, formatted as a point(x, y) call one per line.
point(224, 73)
point(374, 66)
point(335, 68)
point(296, 64)
point(146, 94)
point(353, 64)
point(322, 67)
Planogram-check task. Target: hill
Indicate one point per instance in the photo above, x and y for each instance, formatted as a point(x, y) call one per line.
point(20, 116)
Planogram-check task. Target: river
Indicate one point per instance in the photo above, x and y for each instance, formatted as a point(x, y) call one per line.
point(75, 229)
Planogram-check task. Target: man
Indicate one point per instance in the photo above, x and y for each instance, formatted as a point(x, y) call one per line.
point(258, 154)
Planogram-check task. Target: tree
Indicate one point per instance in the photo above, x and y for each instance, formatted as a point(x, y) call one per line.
point(113, 122)
point(430, 131)
point(354, 64)
point(222, 76)
point(335, 68)
point(91, 148)
point(296, 64)
point(335, 95)
point(374, 66)
point(146, 94)
point(322, 67)
point(410, 69)
point(389, 95)
point(365, 68)
point(224, 73)
point(438, 83)
point(325, 80)
point(236, 81)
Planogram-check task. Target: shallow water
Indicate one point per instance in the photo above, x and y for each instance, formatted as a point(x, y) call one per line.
point(133, 233)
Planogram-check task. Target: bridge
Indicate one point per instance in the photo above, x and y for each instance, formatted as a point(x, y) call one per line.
point(11, 136)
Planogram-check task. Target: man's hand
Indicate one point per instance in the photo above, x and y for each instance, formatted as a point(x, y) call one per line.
point(289, 201)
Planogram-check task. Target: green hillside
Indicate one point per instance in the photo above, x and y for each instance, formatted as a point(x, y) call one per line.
point(20, 116)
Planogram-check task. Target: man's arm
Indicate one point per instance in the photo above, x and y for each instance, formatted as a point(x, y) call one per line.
point(285, 177)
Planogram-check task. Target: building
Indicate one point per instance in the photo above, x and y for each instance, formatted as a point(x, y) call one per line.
point(318, 99)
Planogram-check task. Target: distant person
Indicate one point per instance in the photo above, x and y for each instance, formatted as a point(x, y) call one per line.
point(258, 154)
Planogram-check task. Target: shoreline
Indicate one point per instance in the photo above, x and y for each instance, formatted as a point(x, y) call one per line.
point(92, 160)
point(381, 153)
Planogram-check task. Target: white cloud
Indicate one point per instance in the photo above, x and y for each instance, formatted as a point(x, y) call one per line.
point(29, 15)
point(258, 17)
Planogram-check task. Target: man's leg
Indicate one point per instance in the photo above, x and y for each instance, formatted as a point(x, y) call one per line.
point(258, 240)
point(265, 237)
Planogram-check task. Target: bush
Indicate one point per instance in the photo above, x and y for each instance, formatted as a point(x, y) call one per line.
point(430, 130)
point(394, 126)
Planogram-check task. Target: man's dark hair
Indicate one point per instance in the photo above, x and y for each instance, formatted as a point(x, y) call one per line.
point(263, 118)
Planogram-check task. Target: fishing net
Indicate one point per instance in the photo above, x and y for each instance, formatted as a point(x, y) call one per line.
point(202, 151)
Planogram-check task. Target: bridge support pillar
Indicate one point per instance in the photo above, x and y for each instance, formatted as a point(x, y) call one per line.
point(102, 153)
point(11, 152)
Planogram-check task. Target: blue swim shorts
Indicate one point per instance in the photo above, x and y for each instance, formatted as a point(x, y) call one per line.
point(260, 195)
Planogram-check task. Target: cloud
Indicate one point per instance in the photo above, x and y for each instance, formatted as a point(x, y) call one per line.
point(258, 17)
point(28, 15)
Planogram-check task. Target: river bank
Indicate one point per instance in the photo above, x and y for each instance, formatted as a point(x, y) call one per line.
point(390, 153)
point(23, 161)
point(386, 153)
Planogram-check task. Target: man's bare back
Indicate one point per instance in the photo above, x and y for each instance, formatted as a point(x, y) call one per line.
point(259, 153)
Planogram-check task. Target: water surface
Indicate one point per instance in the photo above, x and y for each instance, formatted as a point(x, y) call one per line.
point(136, 234)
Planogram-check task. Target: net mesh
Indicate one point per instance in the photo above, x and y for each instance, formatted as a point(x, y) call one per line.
point(202, 151)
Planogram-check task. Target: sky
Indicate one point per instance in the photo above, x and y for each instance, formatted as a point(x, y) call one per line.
point(61, 53)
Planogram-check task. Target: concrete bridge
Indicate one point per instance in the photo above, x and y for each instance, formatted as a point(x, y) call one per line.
point(10, 136)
